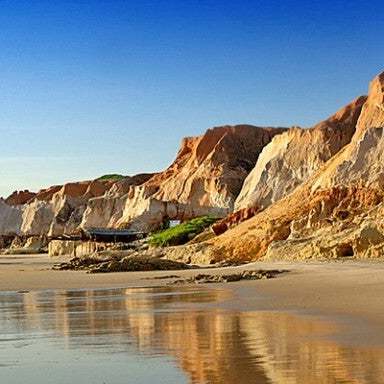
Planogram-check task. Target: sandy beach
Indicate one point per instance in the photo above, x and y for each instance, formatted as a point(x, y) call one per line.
point(334, 288)
point(274, 329)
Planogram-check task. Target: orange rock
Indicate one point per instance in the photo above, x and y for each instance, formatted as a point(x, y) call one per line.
point(344, 193)
point(209, 170)
point(204, 179)
point(20, 197)
point(234, 219)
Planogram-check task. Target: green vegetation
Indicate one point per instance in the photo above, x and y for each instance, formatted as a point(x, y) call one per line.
point(112, 177)
point(182, 233)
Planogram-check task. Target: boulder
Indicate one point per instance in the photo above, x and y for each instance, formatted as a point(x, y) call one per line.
point(74, 248)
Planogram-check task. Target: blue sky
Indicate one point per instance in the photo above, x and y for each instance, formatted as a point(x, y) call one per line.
point(94, 87)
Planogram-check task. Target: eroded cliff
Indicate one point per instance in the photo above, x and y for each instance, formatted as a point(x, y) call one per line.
point(205, 178)
point(292, 157)
point(337, 212)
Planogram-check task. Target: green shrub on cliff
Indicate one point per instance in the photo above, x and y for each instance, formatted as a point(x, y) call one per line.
point(111, 177)
point(182, 233)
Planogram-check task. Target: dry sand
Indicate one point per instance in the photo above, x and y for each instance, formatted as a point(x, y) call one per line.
point(351, 288)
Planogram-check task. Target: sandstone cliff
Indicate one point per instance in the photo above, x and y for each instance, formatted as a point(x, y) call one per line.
point(59, 210)
point(292, 157)
point(336, 212)
point(10, 219)
point(311, 193)
point(210, 170)
point(20, 197)
point(51, 211)
point(107, 210)
point(205, 178)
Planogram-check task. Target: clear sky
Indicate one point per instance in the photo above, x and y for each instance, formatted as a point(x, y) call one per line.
point(94, 87)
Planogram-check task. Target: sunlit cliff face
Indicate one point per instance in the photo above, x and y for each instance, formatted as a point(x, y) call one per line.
point(193, 328)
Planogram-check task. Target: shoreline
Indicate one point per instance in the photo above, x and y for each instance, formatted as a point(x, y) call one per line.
point(350, 290)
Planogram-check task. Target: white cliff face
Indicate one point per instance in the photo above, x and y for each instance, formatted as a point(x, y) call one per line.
point(67, 213)
point(139, 209)
point(103, 211)
point(107, 210)
point(274, 174)
point(53, 211)
point(361, 162)
point(37, 218)
point(10, 219)
point(144, 213)
point(292, 157)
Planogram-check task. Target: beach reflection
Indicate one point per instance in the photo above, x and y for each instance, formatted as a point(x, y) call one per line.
point(190, 329)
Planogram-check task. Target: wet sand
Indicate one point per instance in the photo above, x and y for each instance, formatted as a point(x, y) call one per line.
point(352, 288)
point(172, 335)
point(319, 323)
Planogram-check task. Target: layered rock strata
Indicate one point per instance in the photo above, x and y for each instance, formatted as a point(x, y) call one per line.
point(20, 197)
point(292, 157)
point(51, 211)
point(337, 212)
point(205, 179)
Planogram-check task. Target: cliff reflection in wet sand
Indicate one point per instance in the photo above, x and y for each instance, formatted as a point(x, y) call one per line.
point(172, 336)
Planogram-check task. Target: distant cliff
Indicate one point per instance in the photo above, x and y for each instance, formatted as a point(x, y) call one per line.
point(205, 178)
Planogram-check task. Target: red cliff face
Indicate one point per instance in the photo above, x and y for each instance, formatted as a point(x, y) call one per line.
point(91, 188)
point(20, 197)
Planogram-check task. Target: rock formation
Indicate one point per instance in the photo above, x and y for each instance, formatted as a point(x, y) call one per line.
point(209, 170)
point(10, 219)
point(205, 178)
point(20, 197)
point(59, 209)
point(337, 212)
point(106, 210)
point(51, 211)
point(315, 193)
point(292, 157)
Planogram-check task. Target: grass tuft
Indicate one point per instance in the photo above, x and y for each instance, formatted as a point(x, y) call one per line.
point(182, 233)
point(112, 177)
